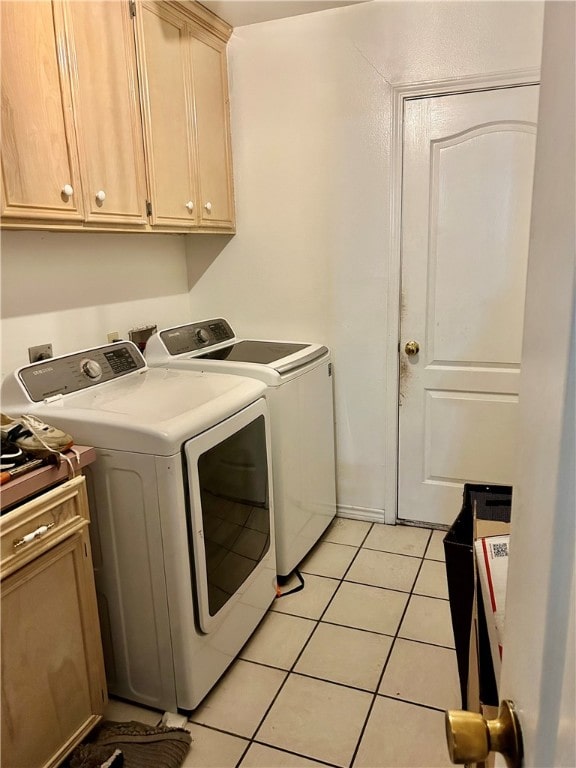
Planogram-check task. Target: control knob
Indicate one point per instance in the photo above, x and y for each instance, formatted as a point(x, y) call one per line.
point(91, 369)
point(201, 336)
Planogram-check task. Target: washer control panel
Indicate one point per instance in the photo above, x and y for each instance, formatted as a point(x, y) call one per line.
point(195, 336)
point(80, 370)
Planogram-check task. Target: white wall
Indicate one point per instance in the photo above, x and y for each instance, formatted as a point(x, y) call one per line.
point(311, 112)
point(72, 289)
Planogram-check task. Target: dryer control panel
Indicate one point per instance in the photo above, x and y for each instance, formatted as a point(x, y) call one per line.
point(195, 336)
point(72, 373)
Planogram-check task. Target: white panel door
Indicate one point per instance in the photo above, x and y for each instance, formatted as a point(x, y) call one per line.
point(467, 185)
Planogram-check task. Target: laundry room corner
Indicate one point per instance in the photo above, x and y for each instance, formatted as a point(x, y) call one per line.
point(202, 253)
point(311, 101)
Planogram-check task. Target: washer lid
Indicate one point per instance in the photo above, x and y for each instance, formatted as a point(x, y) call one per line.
point(149, 411)
point(215, 340)
point(265, 352)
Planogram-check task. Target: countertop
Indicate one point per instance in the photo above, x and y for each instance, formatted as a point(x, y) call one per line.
point(37, 480)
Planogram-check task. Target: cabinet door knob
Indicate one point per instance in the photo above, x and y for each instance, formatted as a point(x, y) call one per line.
point(208, 206)
point(190, 205)
point(67, 190)
point(101, 196)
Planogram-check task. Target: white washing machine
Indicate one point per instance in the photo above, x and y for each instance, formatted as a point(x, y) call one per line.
point(181, 500)
point(300, 397)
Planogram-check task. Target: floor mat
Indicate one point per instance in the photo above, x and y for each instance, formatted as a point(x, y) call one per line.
point(139, 745)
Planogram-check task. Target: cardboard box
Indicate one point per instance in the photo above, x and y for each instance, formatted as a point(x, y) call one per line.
point(485, 511)
point(492, 564)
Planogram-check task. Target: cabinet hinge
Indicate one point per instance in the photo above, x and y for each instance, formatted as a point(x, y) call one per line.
point(148, 208)
point(132, 4)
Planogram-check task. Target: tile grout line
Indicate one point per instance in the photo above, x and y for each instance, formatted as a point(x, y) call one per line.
point(291, 670)
point(375, 694)
point(296, 754)
point(253, 740)
point(388, 657)
point(318, 621)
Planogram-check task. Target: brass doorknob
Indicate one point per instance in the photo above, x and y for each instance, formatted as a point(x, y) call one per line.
point(412, 348)
point(471, 738)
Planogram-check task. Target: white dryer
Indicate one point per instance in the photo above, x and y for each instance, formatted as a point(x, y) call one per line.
point(181, 497)
point(298, 377)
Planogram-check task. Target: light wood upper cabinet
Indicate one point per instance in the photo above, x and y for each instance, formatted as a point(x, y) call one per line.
point(210, 87)
point(182, 60)
point(39, 153)
point(167, 115)
point(106, 106)
point(71, 131)
point(115, 116)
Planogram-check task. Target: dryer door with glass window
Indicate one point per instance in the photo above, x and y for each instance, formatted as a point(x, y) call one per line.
point(230, 509)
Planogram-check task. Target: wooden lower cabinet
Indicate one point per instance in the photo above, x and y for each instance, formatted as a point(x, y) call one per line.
point(53, 682)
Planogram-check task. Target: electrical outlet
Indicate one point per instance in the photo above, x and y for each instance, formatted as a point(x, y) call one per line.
point(113, 336)
point(41, 352)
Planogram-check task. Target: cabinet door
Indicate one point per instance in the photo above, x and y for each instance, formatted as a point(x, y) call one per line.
point(164, 58)
point(53, 691)
point(214, 160)
point(39, 155)
point(106, 103)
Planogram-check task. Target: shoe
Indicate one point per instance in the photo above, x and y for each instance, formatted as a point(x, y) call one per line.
point(10, 456)
point(34, 436)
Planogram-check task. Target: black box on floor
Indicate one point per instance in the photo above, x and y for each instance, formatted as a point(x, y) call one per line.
point(490, 504)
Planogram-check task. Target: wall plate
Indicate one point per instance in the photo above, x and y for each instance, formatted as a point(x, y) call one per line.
point(41, 352)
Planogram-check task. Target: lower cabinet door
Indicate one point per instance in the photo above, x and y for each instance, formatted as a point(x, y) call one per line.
point(53, 685)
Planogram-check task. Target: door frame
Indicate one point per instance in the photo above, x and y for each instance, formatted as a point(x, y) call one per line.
point(400, 94)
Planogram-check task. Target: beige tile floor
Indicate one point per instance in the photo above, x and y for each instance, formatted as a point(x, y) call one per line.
point(354, 670)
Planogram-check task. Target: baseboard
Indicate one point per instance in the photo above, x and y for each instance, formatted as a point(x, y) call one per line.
point(360, 513)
